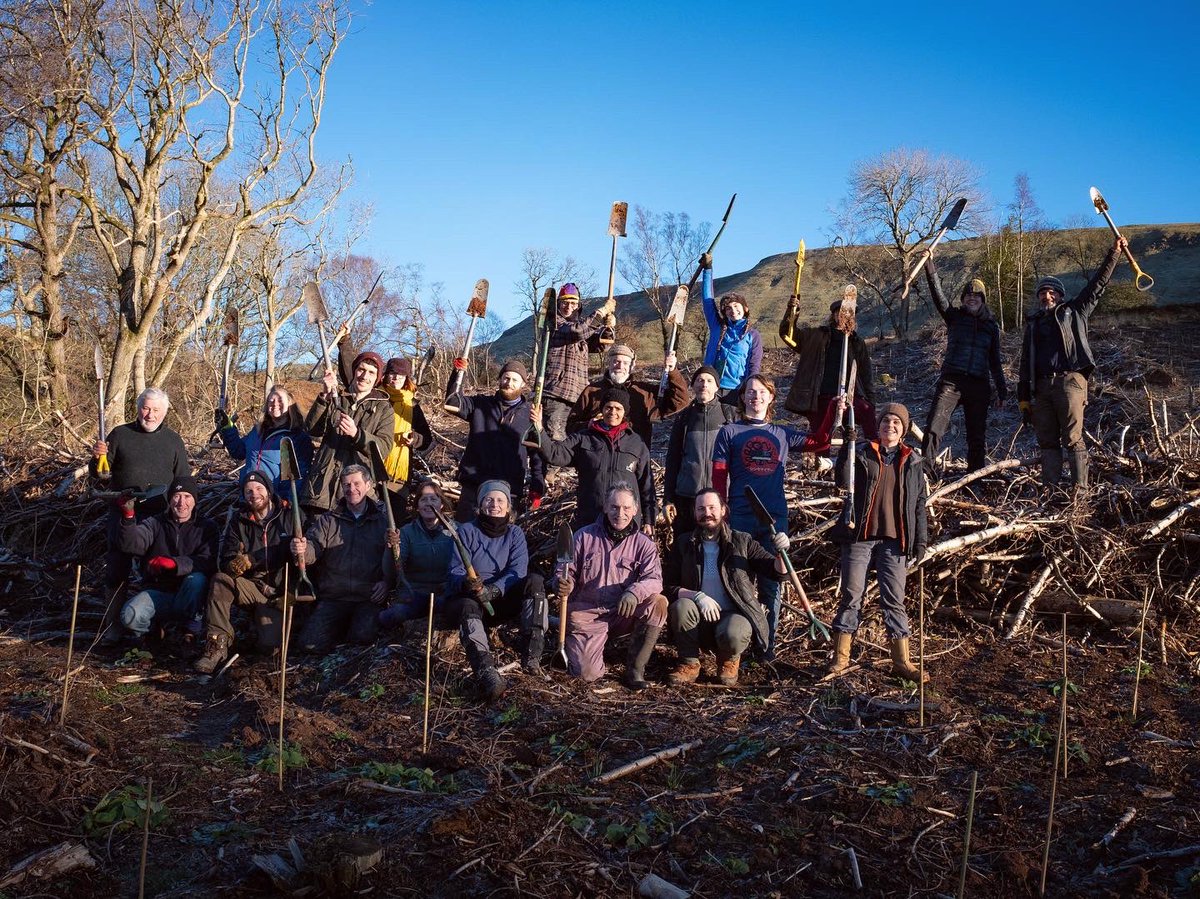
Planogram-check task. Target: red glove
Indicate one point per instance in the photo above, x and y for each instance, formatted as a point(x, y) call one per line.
point(161, 565)
point(535, 499)
point(460, 364)
point(125, 502)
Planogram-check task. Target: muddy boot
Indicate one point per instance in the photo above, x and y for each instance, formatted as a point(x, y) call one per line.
point(841, 654)
point(216, 651)
point(641, 647)
point(1052, 462)
point(727, 669)
point(531, 655)
point(474, 639)
point(685, 672)
point(902, 665)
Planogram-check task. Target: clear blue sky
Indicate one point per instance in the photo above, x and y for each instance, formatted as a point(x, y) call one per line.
point(477, 129)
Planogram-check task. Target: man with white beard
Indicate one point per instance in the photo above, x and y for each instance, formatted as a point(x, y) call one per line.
point(645, 407)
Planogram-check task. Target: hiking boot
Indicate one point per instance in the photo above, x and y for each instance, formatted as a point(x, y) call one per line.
point(216, 651)
point(727, 670)
point(641, 647)
point(1052, 466)
point(685, 672)
point(902, 665)
point(531, 654)
point(841, 654)
point(491, 684)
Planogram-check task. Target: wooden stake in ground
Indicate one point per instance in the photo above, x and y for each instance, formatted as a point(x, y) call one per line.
point(1137, 671)
point(62, 714)
point(962, 874)
point(921, 645)
point(428, 652)
point(1058, 747)
point(1063, 714)
point(285, 626)
point(145, 839)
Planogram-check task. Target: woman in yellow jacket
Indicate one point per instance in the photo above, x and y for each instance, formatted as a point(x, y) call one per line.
point(410, 431)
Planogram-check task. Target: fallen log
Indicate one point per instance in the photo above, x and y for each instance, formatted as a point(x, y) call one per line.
point(645, 762)
point(52, 862)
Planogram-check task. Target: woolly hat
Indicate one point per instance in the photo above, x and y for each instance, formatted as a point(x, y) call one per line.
point(184, 484)
point(897, 409)
point(517, 367)
point(849, 300)
point(1051, 282)
point(259, 477)
point(398, 367)
point(733, 298)
point(371, 359)
point(569, 292)
point(490, 486)
point(616, 395)
point(620, 349)
point(975, 285)
point(706, 370)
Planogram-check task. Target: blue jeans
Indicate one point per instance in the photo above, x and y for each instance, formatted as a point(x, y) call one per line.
point(769, 591)
point(138, 614)
point(889, 564)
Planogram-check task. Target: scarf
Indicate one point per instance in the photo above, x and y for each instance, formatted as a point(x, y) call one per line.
point(402, 409)
point(492, 525)
point(616, 536)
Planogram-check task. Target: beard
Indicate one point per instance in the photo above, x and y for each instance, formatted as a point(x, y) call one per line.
point(708, 526)
point(618, 378)
point(508, 394)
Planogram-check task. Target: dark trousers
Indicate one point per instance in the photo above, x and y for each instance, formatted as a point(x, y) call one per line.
point(525, 599)
point(974, 395)
point(685, 515)
point(226, 591)
point(332, 620)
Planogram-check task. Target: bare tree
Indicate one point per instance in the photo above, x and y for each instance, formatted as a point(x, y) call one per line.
point(895, 204)
point(1028, 224)
point(175, 112)
point(1085, 244)
point(543, 267)
point(662, 254)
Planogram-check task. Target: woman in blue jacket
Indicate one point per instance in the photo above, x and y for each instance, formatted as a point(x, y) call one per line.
point(259, 448)
point(734, 349)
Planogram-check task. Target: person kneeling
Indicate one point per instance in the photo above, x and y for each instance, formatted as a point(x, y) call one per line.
point(614, 587)
point(713, 573)
point(346, 546)
point(255, 548)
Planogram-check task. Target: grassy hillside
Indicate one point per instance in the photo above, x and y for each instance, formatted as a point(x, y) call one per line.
point(1170, 253)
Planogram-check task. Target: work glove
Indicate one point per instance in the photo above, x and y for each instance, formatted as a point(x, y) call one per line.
point(781, 541)
point(710, 609)
point(474, 585)
point(535, 499)
point(628, 605)
point(917, 555)
point(706, 260)
point(460, 364)
point(1026, 411)
point(670, 513)
point(221, 419)
point(160, 566)
point(238, 565)
point(125, 502)
point(565, 586)
point(610, 322)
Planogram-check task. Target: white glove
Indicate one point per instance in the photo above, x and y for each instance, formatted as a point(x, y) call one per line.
point(781, 541)
point(710, 609)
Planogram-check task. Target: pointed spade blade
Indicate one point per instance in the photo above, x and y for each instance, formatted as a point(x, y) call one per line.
point(478, 305)
point(98, 361)
point(617, 218)
point(1098, 201)
point(678, 306)
point(800, 255)
point(564, 546)
point(231, 328)
point(289, 470)
point(954, 215)
point(314, 304)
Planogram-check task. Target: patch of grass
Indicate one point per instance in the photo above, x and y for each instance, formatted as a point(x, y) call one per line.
point(755, 699)
point(834, 696)
point(134, 657)
point(1076, 751)
point(1056, 687)
point(736, 865)
point(741, 750)
point(400, 775)
point(674, 777)
point(994, 718)
point(510, 715)
point(117, 692)
point(1131, 670)
point(372, 692)
point(224, 757)
point(293, 757)
point(125, 807)
point(1034, 736)
point(891, 795)
point(340, 736)
point(636, 834)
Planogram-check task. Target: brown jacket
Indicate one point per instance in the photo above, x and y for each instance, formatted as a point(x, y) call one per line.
point(647, 407)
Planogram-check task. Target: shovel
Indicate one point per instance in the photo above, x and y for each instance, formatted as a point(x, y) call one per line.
point(379, 469)
point(289, 470)
point(545, 324)
point(564, 556)
point(476, 309)
point(354, 313)
point(616, 228)
point(318, 315)
point(948, 224)
point(787, 327)
point(1141, 280)
point(674, 319)
point(102, 467)
point(816, 630)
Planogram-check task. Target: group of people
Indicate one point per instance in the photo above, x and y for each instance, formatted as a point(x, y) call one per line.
point(467, 563)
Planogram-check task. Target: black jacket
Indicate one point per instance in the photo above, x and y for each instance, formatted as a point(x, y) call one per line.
point(602, 463)
point(972, 341)
point(811, 345)
point(374, 418)
point(689, 454)
point(266, 542)
point(1072, 318)
point(494, 447)
point(192, 544)
point(741, 560)
point(913, 494)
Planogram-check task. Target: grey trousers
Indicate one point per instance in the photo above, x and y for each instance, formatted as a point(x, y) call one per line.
point(730, 635)
point(889, 564)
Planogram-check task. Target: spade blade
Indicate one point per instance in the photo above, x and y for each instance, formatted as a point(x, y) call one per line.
point(289, 470)
point(760, 511)
point(954, 215)
point(98, 362)
point(616, 219)
point(1098, 201)
point(314, 304)
point(479, 296)
point(232, 331)
point(678, 306)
